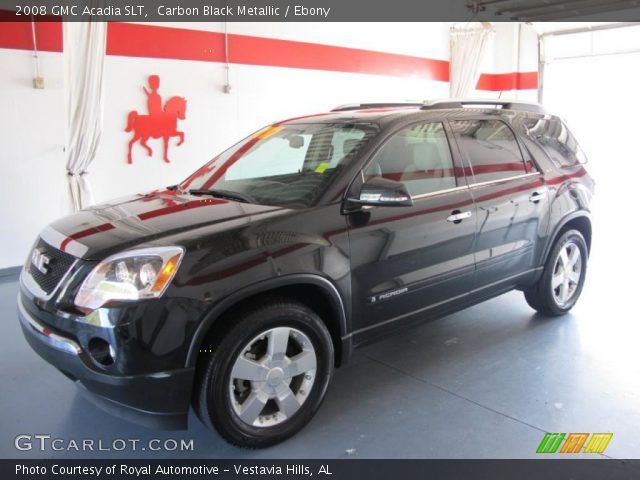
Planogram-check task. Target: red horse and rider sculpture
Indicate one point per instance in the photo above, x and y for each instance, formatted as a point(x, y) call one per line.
point(159, 123)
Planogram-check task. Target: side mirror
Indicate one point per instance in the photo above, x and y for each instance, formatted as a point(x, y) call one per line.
point(383, 192)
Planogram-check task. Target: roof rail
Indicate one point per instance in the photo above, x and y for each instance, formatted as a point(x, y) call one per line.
point(479, 103)
point(361, 106)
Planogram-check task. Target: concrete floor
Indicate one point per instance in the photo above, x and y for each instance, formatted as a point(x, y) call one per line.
point(484, 383)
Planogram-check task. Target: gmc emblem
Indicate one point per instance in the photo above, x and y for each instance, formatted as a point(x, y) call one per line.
point(40, 260)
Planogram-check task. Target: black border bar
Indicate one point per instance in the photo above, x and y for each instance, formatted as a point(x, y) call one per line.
point(538, 469)
point(317, 10)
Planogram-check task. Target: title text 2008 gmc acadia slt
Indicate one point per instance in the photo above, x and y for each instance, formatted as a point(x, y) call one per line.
point(238, 290)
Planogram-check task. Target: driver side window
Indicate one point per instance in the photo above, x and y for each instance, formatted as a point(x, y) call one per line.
point(418, 156)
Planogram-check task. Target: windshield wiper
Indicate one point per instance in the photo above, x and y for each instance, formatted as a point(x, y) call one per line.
point(228, 194)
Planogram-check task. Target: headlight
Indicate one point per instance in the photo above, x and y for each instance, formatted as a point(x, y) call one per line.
point(130, 276)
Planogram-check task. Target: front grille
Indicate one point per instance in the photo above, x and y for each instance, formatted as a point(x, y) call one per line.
point(59, 264)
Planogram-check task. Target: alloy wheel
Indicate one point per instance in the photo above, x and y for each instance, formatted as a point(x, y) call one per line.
point(272, 376)
point(567, 271)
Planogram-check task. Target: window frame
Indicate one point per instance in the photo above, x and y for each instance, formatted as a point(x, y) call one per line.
point(543, 147)
point(461, 180)
point(467, 162)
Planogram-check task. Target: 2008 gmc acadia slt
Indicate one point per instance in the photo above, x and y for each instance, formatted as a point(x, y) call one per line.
point(239, 290)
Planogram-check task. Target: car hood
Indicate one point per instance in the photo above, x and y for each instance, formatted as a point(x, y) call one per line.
point(130, 221)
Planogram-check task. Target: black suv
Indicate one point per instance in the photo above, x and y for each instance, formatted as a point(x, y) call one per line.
point(239, 290)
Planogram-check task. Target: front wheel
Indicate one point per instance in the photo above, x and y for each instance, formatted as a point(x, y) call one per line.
point(563, 277)
point(267, 375)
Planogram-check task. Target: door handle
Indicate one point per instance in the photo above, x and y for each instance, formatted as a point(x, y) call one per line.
point(535, 197)
point(457, 216)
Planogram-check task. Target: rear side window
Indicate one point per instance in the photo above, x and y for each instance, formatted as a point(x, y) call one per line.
point(556, 140)
point(491, 149)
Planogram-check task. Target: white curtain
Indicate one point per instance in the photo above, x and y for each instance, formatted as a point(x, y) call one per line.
point(84, 52)
point(467, 46)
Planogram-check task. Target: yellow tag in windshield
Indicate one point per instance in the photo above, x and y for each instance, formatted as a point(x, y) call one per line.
point(322, 167)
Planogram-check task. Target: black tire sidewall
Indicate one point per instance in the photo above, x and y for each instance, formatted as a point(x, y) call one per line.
point(215, 397)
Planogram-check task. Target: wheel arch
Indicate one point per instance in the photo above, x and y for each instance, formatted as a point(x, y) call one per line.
point(315, 291)
point(580, 221)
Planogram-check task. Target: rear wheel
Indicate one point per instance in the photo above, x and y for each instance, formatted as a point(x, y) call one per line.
point(563, 277)
point(267, 375)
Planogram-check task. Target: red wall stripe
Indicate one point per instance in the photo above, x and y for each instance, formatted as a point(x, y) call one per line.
point(135, 40)
point(508, 81)
point(17, 35)
point(285, 53)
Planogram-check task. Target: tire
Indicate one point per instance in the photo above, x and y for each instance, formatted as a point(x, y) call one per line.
point(563, 277)
point(275, 344)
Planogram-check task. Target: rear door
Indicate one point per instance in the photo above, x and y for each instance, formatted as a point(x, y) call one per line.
point(407, 261)
point(511, 200)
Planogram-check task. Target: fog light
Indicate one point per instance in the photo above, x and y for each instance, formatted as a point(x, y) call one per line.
point(101, 351)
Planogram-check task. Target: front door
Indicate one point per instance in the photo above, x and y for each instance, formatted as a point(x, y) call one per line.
point(408, 261)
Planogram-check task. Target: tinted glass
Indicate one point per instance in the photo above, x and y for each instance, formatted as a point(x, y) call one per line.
point(491, 149)
point(556, 140)
point(418, 156)
point(287, 165)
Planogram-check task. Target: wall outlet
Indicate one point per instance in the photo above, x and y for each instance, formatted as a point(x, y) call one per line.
point(38, 82)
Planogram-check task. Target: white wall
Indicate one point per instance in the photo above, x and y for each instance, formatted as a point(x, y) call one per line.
point(512, 47)
point(598, 96)
point(595, 90)
point(31, 156)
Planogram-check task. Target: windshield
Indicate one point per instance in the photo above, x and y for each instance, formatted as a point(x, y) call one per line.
point(284, 165)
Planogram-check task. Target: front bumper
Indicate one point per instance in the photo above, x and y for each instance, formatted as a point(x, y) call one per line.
point(156, 400)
